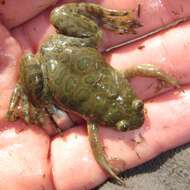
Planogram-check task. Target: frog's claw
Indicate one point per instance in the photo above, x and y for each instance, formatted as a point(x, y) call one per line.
point(148, 70)
point(99, 153)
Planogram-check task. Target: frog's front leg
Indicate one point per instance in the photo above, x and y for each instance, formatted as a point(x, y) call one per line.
point(20, 107)
point(148, 70)
point(25, 107)
point(99, 153)
point(12, 113)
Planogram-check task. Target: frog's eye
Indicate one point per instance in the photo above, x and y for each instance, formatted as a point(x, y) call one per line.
point(137, 105)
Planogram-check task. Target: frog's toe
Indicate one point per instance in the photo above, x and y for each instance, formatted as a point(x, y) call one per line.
point(121, 24)
point(12, 115)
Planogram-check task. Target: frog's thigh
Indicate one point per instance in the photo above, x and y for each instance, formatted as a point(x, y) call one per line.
point(99, 153)
point(148, 70)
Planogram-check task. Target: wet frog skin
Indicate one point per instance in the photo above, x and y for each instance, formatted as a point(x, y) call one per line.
point(69, 73)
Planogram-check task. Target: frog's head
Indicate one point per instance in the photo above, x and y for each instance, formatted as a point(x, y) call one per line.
point(31, 76)
point(135, 117)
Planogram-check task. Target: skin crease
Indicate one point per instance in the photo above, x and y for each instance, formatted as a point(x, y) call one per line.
point(158, 134)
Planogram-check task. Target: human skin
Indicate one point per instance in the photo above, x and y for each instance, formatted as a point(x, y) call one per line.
point(31, 158)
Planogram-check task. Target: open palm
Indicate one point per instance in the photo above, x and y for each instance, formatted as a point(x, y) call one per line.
point(31, 158)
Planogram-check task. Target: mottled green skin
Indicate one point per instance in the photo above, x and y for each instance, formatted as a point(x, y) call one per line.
point(81, 81)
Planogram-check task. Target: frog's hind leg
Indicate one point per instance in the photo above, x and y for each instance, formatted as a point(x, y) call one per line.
point(149, 70)
point(99, 153)
point(82, 19)
point(71, 22)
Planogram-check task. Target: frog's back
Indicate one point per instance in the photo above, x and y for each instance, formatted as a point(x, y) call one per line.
point(81, 81)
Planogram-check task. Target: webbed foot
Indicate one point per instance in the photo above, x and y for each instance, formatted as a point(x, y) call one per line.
point(99, 153)
point(119, 21)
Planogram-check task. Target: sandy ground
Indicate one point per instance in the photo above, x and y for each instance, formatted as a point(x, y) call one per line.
point(169, 171)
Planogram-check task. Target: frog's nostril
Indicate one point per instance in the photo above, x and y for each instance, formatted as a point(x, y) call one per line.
point(137, 105)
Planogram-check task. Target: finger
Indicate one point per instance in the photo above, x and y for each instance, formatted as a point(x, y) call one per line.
point(14, 13)
point(128, 149)
point(24, 154)
point(10, 52)
point(31, 34)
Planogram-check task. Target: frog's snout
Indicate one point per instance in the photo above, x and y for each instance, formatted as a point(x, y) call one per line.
point(136, 118)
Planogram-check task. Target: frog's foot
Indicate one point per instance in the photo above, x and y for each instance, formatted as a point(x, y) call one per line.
point(122, 22)
point(20, 107)
point(118, 21)
point(99, 153)
point(148, 70)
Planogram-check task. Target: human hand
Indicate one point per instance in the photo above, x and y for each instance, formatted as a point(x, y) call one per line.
point(26, 158)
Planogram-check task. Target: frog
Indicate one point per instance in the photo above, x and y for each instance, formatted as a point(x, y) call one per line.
point(69, 73)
